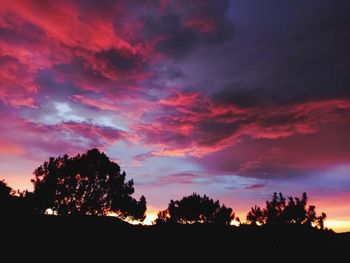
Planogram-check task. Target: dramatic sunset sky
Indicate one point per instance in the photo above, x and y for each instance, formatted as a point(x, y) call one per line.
point(233, 99)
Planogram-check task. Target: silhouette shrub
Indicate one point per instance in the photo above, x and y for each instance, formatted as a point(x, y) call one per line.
point(279, 211)
point(196, 209)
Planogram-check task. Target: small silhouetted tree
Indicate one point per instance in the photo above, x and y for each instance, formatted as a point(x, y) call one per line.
point(275, 209)
point(312, 218)
point(87, 184)
point(278, 211)
point(256, 215)
point(224, 216)
point(162, 217)
point(196, 209)
point(295, 211)
point(320, 220)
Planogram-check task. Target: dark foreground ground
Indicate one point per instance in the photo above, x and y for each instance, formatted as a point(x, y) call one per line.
point(63, 238)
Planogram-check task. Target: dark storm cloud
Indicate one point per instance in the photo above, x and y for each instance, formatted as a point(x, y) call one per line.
point(179, 44)
point(52, 88)
point(182, 31)
point(101, 7)
point(243, 96)
point(283, 157)
point(165, 24)
point(83, 78)
point(293, 51)
point(185, 41)
point(119, 59)
point(174, 73)
point(25, 34)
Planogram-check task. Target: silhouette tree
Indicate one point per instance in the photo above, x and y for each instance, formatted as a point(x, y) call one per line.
point(196, 209)
point(87, 184)
point(312, 218)
point(256, 215)
point(224, 216)
point(162, 217)
point(275, 209)
point(320, 220)
point(295, 211)
point(278, 211)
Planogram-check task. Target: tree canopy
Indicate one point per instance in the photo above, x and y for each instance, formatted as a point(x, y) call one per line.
point(87, 184)
point(196, 209)
point(279, 211)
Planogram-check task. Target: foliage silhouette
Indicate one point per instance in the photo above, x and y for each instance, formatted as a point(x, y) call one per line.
point(87, 184)
point(196, 209)
point(278, 211)
point(256, 215)
point(15, 203)
point(5, 190)
point(5, 198)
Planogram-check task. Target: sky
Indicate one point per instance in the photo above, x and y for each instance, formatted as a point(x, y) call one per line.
point(233, 99)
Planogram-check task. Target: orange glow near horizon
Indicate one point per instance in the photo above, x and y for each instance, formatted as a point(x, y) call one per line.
point(331, 205)
point(337, 225)
point(150, 217)
point(336, 214)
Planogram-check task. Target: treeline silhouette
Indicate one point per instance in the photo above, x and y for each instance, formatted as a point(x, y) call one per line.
point(92, 184)
point(66, 214)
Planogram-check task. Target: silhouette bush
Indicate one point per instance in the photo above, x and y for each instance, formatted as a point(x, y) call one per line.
point(5, 190)
point(5, 197)
point(15, 203)
point(196, 209)
point(279, 211)
point(256, 216)
point(87, 184)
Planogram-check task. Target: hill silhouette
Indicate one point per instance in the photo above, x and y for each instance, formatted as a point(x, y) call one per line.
point(88, 236)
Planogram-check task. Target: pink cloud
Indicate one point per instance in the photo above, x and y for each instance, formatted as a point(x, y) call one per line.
point(27, 42)
point(254, 186)
point(16, 85)
point(99, 135)
point(190, 124)
point(43, 35)
point(283, 157)
point(99, 48)
point(37, 140)
point(132, 108)
point(181, 99)
point(62, 22)
point(10, 148)
point(178, 178)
